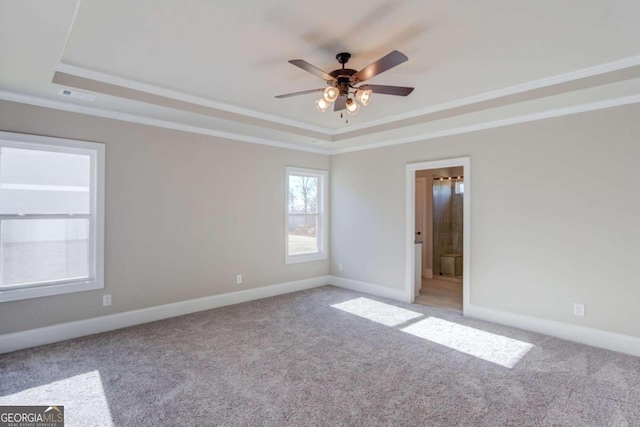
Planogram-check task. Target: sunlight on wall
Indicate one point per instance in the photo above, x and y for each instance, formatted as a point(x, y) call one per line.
point(484, 345)
point(379, 312)
point(83, 398)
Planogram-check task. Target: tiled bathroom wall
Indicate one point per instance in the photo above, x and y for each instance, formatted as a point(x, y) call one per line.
point(447, 221)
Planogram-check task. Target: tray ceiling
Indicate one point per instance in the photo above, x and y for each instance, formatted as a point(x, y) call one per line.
point(220, 64)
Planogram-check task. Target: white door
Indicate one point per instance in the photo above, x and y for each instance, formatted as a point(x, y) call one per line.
point(421, 185)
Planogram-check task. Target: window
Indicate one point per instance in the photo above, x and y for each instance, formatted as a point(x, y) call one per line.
point(306, 222)
point(51, 216)
point(459, 187)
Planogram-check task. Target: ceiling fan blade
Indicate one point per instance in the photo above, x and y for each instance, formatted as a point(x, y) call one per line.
point(340, 104)
point(380, 66)
point(311, 69)
point(388, 90)
point(304, 92)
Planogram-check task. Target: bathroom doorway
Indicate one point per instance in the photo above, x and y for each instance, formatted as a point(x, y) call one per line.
point(439, 223)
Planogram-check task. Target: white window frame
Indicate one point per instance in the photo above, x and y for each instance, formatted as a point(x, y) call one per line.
point(96, 152)
point(322, 236)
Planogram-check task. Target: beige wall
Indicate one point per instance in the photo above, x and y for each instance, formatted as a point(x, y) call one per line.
point(554, 216)
point(185, 213)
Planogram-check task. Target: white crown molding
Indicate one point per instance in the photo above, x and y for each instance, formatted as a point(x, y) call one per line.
point(181, 96)
point(331, 133)
point(132, 118)
point(512, 90)
point(575, 109)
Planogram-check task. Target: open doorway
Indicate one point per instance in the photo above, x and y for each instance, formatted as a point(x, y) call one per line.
point(439, 230)
point(438, 215)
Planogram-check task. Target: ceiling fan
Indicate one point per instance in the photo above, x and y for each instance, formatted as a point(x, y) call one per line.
point(344, 84)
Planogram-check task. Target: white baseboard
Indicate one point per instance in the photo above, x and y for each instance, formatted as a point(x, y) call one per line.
point(64, 331)
point(369, 288)
point(594, 337)
point(50, 334)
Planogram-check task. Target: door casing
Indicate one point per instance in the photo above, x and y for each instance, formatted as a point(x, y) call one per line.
point(410, 200)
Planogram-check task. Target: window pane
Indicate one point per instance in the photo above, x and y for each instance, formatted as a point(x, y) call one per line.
point(303, 230)
point(40, 182)
point(39, 250)
point(303, 194)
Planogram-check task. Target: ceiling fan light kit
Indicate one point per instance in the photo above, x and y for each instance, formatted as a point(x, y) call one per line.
point(322, 104)
point(352, 106)
point(364, 96)
point(331, 93)
point(344, 85)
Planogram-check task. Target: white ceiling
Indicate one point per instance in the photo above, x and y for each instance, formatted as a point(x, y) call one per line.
point(231, 57)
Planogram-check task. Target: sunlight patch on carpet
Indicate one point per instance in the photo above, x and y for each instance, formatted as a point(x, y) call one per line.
point(379, 312)
point(493, 348)
point(83, 398)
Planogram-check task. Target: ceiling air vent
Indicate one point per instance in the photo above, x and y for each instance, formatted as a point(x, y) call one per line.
point(77, 94)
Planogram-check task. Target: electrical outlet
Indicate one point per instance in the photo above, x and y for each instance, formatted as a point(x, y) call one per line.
point(239, 279)
point(340, 267)
point(578, 309)
point(106, 300)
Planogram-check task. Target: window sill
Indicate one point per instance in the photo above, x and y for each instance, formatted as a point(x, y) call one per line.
point(295, 259)
point(48, 290)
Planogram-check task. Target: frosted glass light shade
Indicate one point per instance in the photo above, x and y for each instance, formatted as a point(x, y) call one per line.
point(331, 94)
point(352, 107)
point(364, 96)
point(322, 105)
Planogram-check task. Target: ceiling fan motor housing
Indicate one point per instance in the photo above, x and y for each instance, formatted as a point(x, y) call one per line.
point(343, 57)
point(343, 76)
point(343, 80)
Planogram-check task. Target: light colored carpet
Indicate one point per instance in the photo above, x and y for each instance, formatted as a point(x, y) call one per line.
point(325, 357)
